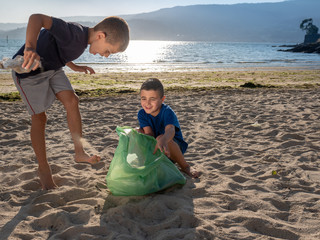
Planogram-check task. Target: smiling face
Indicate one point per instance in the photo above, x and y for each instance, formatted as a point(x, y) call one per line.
point(151, 101)
point(100, 46)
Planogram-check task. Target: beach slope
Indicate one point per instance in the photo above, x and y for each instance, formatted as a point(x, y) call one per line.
point(257, 150)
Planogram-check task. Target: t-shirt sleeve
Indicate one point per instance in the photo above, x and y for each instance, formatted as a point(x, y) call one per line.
point(143, 119)
point(171, 118)
point(66, 31)
point(71, 38)
point(60, 30)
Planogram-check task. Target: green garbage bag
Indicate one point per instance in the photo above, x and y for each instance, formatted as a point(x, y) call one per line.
point(135, 170)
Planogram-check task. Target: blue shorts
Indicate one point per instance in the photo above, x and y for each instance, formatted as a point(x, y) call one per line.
point(180, 146)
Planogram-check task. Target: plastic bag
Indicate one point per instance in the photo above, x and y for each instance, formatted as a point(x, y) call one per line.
point(135, 170)
point(15, 64)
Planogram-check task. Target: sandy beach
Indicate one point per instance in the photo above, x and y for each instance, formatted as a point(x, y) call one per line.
point(257, 151)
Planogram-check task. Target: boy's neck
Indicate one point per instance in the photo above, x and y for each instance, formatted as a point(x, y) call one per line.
point(158, 111)
point(91, 35)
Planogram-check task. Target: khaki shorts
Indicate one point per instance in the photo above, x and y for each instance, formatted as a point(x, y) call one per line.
point(38, 92)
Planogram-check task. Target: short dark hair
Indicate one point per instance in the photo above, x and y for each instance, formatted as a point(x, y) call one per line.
point(153, 84)
point(116, 30)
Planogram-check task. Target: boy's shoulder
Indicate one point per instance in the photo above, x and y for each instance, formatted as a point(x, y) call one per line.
point(167, 112)
point(167, 108)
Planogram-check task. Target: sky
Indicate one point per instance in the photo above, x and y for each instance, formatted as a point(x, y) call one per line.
point(18, 11)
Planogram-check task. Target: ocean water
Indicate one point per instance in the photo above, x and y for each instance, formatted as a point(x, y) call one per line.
point(148, 56)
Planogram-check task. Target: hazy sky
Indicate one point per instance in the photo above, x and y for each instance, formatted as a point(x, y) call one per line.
point(18, 11)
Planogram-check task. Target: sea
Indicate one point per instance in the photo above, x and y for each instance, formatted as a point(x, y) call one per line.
point(173, 56)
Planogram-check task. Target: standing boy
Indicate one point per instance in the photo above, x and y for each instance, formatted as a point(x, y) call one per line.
point(160, 121)
point(57, 45)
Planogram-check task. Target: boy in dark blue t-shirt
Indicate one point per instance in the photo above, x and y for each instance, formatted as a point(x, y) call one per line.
point(160, 121)
point(56, 46)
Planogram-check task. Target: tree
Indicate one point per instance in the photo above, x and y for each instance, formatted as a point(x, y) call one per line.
point(307, 25)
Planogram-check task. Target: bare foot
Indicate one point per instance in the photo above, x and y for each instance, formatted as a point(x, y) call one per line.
point(46, 179)
point(193, 174)
point(85, 158)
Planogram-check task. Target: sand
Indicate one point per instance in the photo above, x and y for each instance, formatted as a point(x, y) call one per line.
point(257, 150)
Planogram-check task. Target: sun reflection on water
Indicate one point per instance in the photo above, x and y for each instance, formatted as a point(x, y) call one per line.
point(147, 51)
point(157, 56)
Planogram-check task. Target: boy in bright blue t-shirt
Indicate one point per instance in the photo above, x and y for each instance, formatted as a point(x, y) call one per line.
point(160, 121)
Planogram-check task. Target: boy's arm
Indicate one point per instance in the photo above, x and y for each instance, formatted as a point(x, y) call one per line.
point(162, 142)
point(144, 123)
point(78, 68)
point(148, 131)
point(35, 23)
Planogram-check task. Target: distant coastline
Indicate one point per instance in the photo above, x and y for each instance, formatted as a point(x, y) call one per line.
point(303, 48)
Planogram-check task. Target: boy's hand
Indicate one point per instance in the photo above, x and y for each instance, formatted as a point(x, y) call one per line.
point(78, 68)
point(162, 146)
point(85, 69)
point(30, 57)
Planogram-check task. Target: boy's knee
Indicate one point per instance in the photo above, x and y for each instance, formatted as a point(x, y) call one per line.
point(72, 102)
point(68, 98)
point(41, 117)
point(174, 146)
point(75, 100)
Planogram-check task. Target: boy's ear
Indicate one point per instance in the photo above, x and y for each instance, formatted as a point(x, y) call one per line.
point(163, 98)
point(101, 35)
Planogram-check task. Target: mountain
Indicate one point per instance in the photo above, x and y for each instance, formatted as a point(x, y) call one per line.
point(260, 22)
point(11, 26)
point(254, 22)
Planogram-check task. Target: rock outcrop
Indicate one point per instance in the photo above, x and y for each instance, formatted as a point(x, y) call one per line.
point(305, 48)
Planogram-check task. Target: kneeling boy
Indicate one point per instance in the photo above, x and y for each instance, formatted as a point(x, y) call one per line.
point(160, 121)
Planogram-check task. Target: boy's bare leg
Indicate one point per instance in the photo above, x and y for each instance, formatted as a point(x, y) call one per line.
point(177, 156)
point(71, 104)
point(39, 146)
